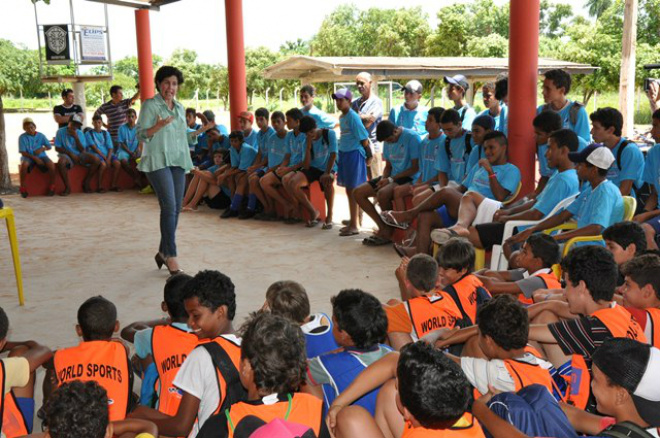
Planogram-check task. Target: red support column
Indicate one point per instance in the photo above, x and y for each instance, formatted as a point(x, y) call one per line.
point(523, 84)
point(145, 60)
point(235, 60)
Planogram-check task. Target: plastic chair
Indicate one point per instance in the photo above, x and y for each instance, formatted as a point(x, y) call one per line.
point(629, 207)
point(7, 214)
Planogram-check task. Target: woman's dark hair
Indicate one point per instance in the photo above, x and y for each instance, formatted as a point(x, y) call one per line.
point(360, 315)
point(77, 410)
point(505, 321)
point(165, 72)
point(275, 348)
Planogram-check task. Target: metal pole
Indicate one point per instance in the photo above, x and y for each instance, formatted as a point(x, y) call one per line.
point(107, 39)
point(41, 61)
point(145, 59)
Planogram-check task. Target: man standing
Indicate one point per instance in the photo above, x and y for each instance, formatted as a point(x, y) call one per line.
point(370, 108)
point(457, 86)
point(411, 114)
point(62, 113)
point(115, 109)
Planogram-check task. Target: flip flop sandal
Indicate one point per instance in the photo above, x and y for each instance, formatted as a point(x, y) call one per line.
point(399, 250)
point(327, 226)
point(389, 219)
point(442, 235)
point(312, 224)
point(376, 241)
point(347, 233)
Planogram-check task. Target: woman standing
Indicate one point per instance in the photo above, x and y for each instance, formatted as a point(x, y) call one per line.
point(165, 158)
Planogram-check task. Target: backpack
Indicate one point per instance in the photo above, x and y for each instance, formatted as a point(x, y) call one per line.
point(626, 430)
point(468, 146)
point(222, 362)
point(572, 112)
point(642, 193)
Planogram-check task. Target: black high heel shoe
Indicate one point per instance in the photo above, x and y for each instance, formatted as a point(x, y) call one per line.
point(172, 272)
point(160, 260)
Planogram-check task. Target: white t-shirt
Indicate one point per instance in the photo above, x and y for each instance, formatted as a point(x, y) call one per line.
point(198, 378)
point(482, 372)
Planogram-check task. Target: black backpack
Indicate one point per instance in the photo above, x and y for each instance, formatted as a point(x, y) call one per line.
point(468, 146)
point(222, 362)
point(625, 430)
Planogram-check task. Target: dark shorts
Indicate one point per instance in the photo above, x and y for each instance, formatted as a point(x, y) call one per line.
point(218, 202)
point(312, 174)
point(399, 181)
point(655, 224)
point(32, 164)
point(490, 234)
point(447, 220)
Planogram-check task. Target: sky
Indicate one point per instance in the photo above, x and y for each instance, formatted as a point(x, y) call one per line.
point(195, 24)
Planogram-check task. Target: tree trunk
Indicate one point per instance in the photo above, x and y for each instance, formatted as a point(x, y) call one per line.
point(5, 179)
point(627, 76)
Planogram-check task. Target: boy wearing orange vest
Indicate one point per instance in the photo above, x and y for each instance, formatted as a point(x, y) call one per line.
point(430, 399)
point(537, 256)
point(569, 332)
point(17, 375)
point(427, 310)
point(641, 294)
point(208, 378)
point(273, 365)
point(99, 357)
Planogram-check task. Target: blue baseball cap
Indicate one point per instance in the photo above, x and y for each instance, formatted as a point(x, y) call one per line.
point(458, 80)
point(343, 93)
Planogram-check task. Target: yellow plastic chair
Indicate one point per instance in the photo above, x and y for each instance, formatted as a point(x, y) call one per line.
point(629, 207)
point(8, 215)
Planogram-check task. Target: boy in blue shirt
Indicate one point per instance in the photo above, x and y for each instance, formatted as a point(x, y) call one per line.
point(319, 165)
point(628, 167)
point(261, 160)
point(457, 87)
point(482, 125)
point(354, 155)
point(245, 121)
point(491, 103)
point(127, 150)
point(401, 154)
point(71, 145)
point(410, 114)
point(241, 156)
point(32, 146)
point(454, 154)
point(100, 144)
point(556, 86)
point(651, 216)
point(598, 206)
point(323, 120)
point(276, 151)
point(502, 94)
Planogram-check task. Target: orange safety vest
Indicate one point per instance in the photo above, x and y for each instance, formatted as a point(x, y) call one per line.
point(526, 374)
point(621, 324)
point(551, 282)
point(465, 293)
point(432, 312)
point(12, 422)
point(473, 430)
point(170, 347)
point(653, 318)
point(298, 408)
point(105, 362)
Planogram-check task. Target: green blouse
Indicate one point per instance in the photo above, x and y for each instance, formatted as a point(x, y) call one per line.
point(169, 146)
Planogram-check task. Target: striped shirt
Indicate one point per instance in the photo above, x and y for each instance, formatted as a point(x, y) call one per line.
point(580, 336)
point(116, 115)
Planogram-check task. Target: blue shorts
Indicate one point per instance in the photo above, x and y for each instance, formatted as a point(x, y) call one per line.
point(352, 169)
point(123, 155)
point(655, 224)
point(26, 406)
point(447, 220)
point(32, 164)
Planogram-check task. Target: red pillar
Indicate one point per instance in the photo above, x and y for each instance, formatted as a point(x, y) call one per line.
point(523, 77)
point(235, 60)
point(145, 60)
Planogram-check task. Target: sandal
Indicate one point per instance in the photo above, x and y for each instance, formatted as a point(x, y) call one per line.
point(442, 235)
point(327, 226)
point(389, 219)
point(348, 232)
point(312, 223)
point(376, 240)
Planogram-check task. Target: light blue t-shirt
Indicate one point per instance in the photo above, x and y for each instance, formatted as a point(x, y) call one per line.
point(262, 140)
point(455, 166)
point(560, 186)
point(503, 122)
point(101, 140)
point(476, 154)
point(29, 143)
point(581, 127)
point(222, 144)
point(468, 114)
point(632, 165)
point(352, 133)
point(546, 170)
point(323, 120)
point(478, 181)
point(65, 141)
point(428, 155)
point(321, 151)
point(243, 158)
point(498, 118)
point(652, 167)
point(277, 150)
point(602, 206)
point(142, 339)
point(401, 153)
point(251, 139)
point(128, 136)
point(412, 119)
point(295, 146)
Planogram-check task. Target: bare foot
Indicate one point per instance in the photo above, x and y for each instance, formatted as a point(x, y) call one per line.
point(461, 231)
point(402, 216)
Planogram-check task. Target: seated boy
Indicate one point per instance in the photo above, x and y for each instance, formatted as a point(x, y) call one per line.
point(208, 378)
point(71, 145)
point(430, 399)
point(556, 86)
point(257, 169)
point(569, 332)
point(98, 357)
point(426, 310)
point(245, 121)
point(17, 378)
point(492, 104)
point(127, 150)
point(273, 370)
point(100, 144)
point(235, 177)
point(322, 119)
point(401, 153)
point(453, 157)
point(598, 206)
point(641, 294)
point(204, 187)
point(545, 123)
point(32, 146)
point(319, 165)
point(481, 126)
point(360, 327)
point(289, 299)
point(276, 150)
point(651, 215)
point(537, 257)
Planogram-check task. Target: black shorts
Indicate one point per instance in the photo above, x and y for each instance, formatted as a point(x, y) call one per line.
point(312, 174)
point(399, 181)
point(490, 234)
point(218, 202)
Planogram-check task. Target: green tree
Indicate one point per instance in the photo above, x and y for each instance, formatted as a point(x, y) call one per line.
point(297, 47)
point(597, 7)
point(128, 66)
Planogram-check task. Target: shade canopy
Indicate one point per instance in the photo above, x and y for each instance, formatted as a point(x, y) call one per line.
point(154, 5)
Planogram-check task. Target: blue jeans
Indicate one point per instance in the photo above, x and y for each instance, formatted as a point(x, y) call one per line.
point(169, 184)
